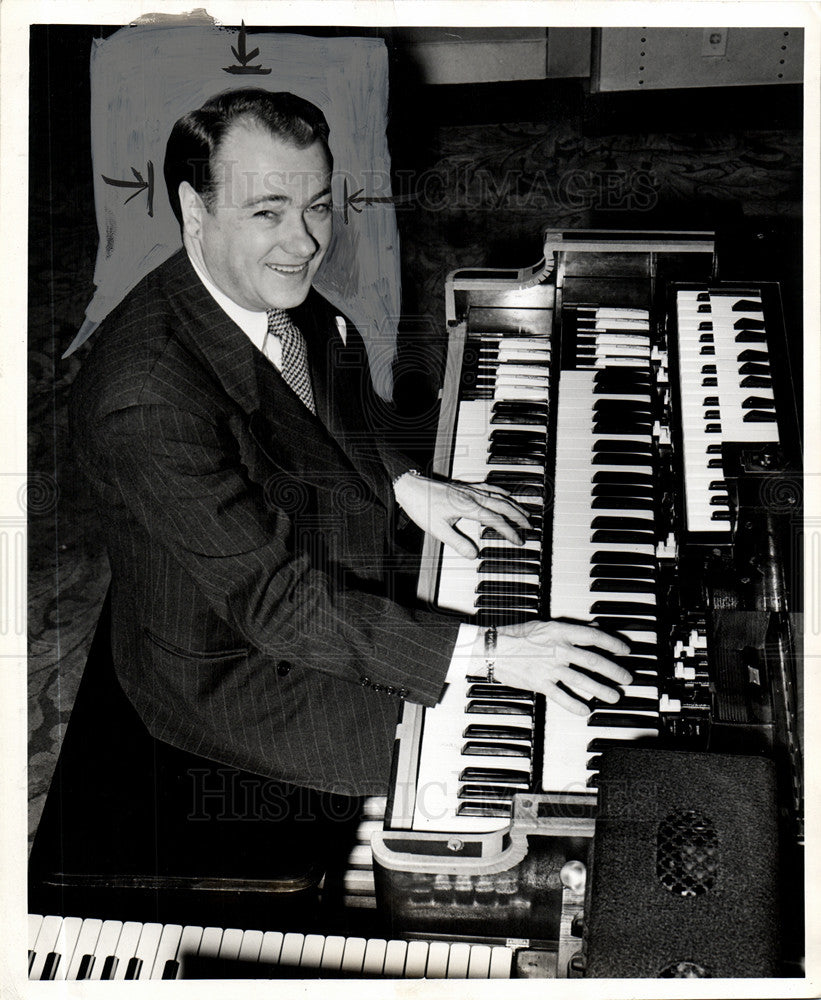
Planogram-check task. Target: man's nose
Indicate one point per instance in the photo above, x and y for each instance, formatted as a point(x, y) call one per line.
point(297, 239)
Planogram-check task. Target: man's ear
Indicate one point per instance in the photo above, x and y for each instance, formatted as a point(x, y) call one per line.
point(192, 208)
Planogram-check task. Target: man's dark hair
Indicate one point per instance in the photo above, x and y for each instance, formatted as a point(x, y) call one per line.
point(196, 138)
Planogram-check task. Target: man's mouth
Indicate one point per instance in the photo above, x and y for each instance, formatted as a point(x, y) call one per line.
point(289, 268)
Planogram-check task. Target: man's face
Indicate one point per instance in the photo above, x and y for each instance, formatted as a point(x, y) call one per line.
point(268, 230)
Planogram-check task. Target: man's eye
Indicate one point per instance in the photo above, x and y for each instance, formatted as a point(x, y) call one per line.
point(322, 209)
point(265, 213)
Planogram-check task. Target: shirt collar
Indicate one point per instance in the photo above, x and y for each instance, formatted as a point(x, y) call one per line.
point(253, 324)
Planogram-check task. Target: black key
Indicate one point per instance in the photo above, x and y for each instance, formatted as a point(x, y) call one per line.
point(758, 403)
point(506, 567)
point(621, 608)
point(748, 305)
point(624, 586)
point(626, 478)
point(508, 458)
point(487, 791)
point(526, 534)
point(86, 965)
point(760, 417)
point(622, 503)
point(750, 337)
point(712, 415)
point(748, 323)
point(605, 535)
point(500, 809)
point(612, 571)
point(508, 588)
point(499, 477)
point(529, 417)
point(499, 707)
point(495, 774)
point(633, 447)
point(505, 552)
point(479, 731)
point(632, 523)
point(626, 459)
point(710, 401)
point(483, 690)
point(621, 490)
point(170, 969)
point(752, 368)
point(109, 967)
point(133, 968)
point(613, 624)
point(626, 704)
point(641, 649)
point(497, 602)
point(756, 382)
point(50, 966)
point(750, 354)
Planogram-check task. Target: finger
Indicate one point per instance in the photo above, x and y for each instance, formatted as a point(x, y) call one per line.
point(587, 635)
point(587, 686)
point(500, 491)
point(490, 520)
point(591, 660)
point(567, 701)
point(507, 508)
point(457, 541)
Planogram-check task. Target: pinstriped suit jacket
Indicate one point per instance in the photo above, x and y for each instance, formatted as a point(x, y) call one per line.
point(251, 608)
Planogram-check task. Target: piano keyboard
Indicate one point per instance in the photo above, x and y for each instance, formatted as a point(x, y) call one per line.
point(501, 438)
point(71, 948)
point(479, 744)
point(726, 395)
point(603, 559)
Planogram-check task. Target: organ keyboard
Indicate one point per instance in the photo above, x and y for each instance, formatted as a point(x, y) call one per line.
point(633, 404)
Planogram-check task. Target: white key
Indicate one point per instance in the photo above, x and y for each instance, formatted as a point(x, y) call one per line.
point(459, 960)
point(271, 947)
point(250, 947)
point(438, 955)
point(86, 943)
point(501, 959)
point(395, 955)
point(312, 951)
point(65, 945)
point(291, 949)
point(166, 950)
point(333, 953)
point(417, 959)
point(210, 943)
point(145, 952)
point(231, 944)
point(34, 922)
point(374, 957)
point(188, 947)
point(106, 947)
point(479, 964)
point(46, 940)
point(354, 955)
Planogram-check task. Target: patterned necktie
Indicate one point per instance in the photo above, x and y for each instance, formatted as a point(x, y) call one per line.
point(294, 355)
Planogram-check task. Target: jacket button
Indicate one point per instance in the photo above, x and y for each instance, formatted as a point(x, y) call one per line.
point(365, 681)
point(403, 692)
point(283, 668)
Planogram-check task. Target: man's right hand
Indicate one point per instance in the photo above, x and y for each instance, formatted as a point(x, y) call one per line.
point(538, 655)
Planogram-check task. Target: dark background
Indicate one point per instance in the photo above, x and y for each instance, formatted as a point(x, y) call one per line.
point(727, 160)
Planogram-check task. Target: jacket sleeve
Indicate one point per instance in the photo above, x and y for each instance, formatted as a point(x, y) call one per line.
point(181, 478)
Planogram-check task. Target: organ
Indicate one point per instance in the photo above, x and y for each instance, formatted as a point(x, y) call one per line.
point(642, 411)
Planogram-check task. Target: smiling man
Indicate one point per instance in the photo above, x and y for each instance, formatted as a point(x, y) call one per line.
point(245, 493)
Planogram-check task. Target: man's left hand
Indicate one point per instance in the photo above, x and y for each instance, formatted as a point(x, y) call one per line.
point(436, 505)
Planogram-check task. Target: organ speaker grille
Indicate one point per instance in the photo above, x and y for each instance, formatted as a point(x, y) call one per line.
point(683, 882)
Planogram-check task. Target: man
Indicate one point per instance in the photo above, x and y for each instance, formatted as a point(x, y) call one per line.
point(246, 515)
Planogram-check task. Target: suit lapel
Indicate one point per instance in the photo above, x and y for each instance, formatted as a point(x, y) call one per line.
point(289, 435)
